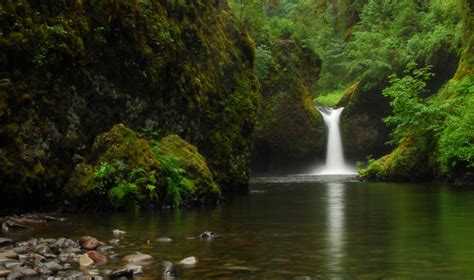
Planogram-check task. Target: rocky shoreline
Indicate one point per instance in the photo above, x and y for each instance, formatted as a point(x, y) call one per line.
point(64, 258)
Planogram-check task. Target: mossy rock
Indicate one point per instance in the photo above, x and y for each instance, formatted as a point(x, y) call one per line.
point(194, 165)
point(363, 130)
point(125, 151)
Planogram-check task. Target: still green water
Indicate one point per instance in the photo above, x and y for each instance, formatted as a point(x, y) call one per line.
point(299, 228)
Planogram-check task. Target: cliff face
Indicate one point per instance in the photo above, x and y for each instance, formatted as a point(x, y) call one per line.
point(70, 70)
point(289, 128)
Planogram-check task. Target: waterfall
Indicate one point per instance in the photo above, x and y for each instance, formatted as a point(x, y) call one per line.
point(335, 163)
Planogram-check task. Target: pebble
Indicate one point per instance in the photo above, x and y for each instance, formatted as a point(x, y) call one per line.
point(118, 232)
point(137, 257)
point(97, 257)
point(114, 241)
point(8, 255)
point(85, 260)
point(4, 272)
point(11, 265)
point(89, 243)
point(189, 261)
point(26, 271)
point(15, 276)
point(164, 239)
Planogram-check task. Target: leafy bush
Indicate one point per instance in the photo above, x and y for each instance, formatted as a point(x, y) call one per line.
point(125, 188)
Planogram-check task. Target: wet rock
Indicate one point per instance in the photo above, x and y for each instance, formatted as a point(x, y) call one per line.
point(137, 257)
point(71, 250)
point(67, 257)
point(70, 274)
point(15, 276)
point(5, 241)
point(209, 235)
point(8, 255)
point(164, 239)
point(89, 243)
point(114, 241)
point(189, 261)
point(44, 271)
point(53, 266)
point(97, 257)
point(70, 243)
point(85, 260)
point(11, 265)
point(4, 272)
point(137, 269)
point(37, 257)
point(169, 269)
point(121, 273)
point(118, 232)
point(42, 250)
point(104, 248)
point(60, 242)
point(21, 249)
point(26, 271)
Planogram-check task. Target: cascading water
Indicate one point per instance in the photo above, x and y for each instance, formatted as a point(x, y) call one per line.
point(335, 163)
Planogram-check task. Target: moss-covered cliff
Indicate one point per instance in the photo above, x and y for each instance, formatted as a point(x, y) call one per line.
point(289, 127)
point(70, 70)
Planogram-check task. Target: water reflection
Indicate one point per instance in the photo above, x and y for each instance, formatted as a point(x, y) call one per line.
point(335, 226)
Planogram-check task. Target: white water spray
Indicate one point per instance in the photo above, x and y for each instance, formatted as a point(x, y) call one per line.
point(335, 163)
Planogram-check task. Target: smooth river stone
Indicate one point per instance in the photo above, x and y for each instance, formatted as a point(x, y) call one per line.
point(4, 272)
point(137, 257)
point(85, 260)
point(189, 261)
point(164, 239)
point(89, 243)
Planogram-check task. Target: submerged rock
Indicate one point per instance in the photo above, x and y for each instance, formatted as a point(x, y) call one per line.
point(118, 232)
point(121, 273)
point(209, 235)
point(137, 258)
point(189, 261)
point(137, 269)
point(164, 239)
point(169, 269)
point(5, 241)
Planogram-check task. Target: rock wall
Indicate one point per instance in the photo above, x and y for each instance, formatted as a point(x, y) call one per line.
point(289, 128)
point(70, 70)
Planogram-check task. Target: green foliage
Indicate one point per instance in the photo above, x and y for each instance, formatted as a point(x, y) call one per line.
point(177, 184)
point(411, 111)
point(264, 62)
point(456, 142)
point(125, 188)
point(330, 99)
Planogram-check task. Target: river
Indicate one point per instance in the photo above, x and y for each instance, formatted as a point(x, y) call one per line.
point(303, 228)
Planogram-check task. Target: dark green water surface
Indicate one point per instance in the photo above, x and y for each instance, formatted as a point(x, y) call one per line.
point(299, 228)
